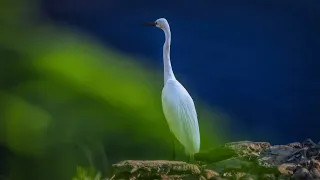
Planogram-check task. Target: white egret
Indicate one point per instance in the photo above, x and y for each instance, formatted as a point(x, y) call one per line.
point(177, 104)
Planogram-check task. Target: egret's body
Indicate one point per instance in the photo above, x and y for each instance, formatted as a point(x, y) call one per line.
point(177, 104)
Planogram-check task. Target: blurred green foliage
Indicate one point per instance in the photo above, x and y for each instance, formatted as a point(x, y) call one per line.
point(87, 174)
point(66, 100)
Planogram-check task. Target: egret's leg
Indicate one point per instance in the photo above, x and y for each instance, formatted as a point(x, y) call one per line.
point(173, 149)
point(191, 158)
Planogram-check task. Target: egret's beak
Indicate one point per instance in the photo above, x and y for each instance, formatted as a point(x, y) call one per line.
point(149, 24)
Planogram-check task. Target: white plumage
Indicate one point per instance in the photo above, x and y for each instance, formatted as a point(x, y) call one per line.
point(180, 113)
point(178, 106)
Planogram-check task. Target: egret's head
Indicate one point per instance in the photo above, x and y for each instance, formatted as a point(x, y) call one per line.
point(161, 23)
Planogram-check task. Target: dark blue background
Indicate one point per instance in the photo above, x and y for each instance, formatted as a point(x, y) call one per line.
point(257, 61)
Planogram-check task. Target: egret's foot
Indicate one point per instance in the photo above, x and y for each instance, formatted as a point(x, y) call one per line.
point(191, 160)
point(173, 155)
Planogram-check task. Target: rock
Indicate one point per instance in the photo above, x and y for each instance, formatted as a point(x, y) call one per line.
point(317, 146)
point(249, 177)
point(218, 178)
point(244, 160)
point(314, 169)
point(298, 157)
point(284, 177)
point(234, 175)
point(315, 173)
point(227, 175)
point(209, 174)
point(313, 152)
point(315, 164)
point(248, 148)
point(239, 175)
point(215, 155)
point(276, 155)
point(155, 170)
point(287, 169)
point(268, 177)
point(302, 174)
point(308, 143)
point(295, 145)
point(233, 164)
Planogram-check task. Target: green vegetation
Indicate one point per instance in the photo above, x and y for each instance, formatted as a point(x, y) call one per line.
point(66, 100)
point(87, 174)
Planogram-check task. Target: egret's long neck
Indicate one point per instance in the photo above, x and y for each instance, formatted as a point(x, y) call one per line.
point(168, 73)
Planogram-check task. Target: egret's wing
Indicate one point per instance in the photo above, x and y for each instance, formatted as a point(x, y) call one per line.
point(181, 116)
